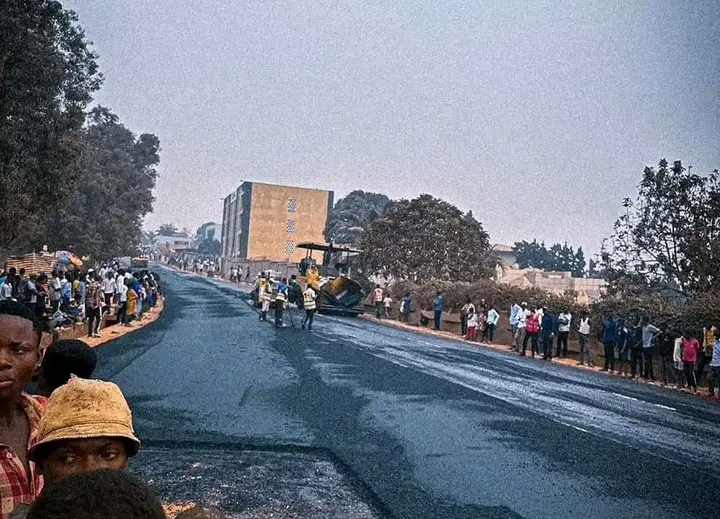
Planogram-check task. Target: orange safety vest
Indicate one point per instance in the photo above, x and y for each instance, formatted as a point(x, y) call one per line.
point(378, 295)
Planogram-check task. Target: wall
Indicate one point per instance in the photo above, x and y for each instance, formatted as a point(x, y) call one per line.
point(268, 226)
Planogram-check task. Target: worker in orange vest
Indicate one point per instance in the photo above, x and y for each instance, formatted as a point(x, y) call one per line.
point(377, 296)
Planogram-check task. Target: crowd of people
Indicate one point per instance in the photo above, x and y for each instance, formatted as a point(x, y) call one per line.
point(67, 297)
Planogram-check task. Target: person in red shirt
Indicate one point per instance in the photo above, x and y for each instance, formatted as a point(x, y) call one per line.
point(20, 413)
point(690, 350)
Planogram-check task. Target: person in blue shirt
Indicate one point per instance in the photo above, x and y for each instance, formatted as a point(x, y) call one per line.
point(438, 304)
point(609, 331)
point(547, 332)
point(280, 301)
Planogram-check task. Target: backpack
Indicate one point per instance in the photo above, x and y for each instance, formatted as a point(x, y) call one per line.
point(533, 324)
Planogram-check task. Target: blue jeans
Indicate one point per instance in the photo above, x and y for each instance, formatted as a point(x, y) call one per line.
point(438, 315)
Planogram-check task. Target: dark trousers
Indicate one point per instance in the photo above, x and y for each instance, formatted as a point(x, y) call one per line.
point(122, 305)
point(93, 320)
point(463, 325)
point(547, 340)
point(279, 309)
point(648, 370)
point(562, 344)
point(533, 338)
point(703, 360)
point(636, 365)
point(438, 315)
point(488, 332)
point(689, 368)
point(609, 356)
point(309, 317)
point(667, 370)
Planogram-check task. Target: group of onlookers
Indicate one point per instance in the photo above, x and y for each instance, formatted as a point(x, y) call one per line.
point(65, 440)
point(64, 298)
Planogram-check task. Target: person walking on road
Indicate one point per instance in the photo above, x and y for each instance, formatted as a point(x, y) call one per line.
point(438, 305)
point(609, 330)
point(584, 336)
point(310, 305)
point(280, 301)
point(387, 305)
point(547, 331)
point(377, 297)
point(264, 297)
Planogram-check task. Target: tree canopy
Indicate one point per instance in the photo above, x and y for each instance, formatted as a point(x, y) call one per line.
point(669, 237)
point(47, 76)
point(559, 257)
point(426, 239)
point(352, 215)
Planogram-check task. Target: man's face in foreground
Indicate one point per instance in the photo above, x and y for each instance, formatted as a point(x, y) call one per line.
point(66, 457)
point(19, 355)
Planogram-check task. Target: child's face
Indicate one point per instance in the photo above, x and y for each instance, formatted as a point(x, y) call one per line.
point(67, 457)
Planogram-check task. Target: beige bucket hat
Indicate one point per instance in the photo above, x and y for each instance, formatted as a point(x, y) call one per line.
point(86, 409)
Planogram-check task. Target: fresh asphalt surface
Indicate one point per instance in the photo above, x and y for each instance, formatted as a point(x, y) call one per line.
point(430, 428)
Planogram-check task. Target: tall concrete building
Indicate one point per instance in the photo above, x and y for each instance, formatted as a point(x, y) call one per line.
point(266, 221)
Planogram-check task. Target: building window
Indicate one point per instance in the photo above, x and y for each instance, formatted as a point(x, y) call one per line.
point(290, 226)
point(292, 205)
point(289, 247)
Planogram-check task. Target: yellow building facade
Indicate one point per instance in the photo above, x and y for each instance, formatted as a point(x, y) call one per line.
point(266, 221)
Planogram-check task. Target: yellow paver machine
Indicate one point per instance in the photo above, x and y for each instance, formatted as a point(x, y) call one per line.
point(338, 294)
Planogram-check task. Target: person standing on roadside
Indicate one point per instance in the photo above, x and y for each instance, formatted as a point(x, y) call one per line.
point(636, 347)
point(108, 288)
point(472, 324)
point(547, 332)
point(438, 306)
point(406, 308)
point(564, 320)
point(622, 342)
point(310, 305)
point(649, 333)
point(584, 336)
point(532, 329)
point(714, 369)
point(520, 330)
point(492, 321)
point(94, 307)
point(464, 315)
point(377, 297)
point(690, 352)
point(705, 354)
point(666, 342)
point(513, 318)
point(609, 330)
point(387, 305)
point(55, 291)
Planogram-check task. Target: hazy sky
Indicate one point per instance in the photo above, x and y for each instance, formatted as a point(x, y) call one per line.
point(538, 116)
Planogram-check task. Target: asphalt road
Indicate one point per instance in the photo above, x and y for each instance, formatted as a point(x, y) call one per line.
point(419, 427)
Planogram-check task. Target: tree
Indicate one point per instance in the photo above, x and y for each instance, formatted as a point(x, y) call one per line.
point(102, 216)
point(166, 229)
point(426, 239)
point(559, 257)
point(352, 215)
point(209, 247)
point(47, 76)
point(669, 237)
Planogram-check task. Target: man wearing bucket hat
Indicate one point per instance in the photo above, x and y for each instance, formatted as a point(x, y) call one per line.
point(86, 426)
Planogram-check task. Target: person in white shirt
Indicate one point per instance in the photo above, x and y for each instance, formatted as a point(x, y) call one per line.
point(564, 320)
point(387, 303)
point(108, 288)
point(521, 318)
point(122, 300)
point(473, 321)
point(6, 289)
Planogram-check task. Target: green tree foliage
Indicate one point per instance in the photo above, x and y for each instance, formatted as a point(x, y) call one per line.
point(209, 247)
point(47, 76)
point(102, 216)
point(558, 257)
point(167, 229)
point(352, 215)
point(426, 239)
point(669, 237)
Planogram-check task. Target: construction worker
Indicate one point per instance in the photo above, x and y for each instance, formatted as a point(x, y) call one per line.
point(260, 288)
point(377, 297)
point(265, 297)
point(280, 301)
point(309, 297)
